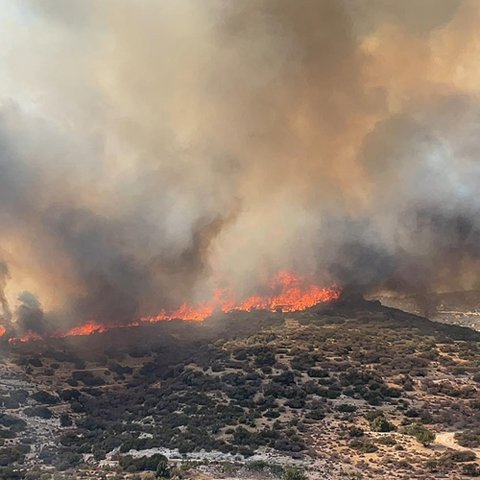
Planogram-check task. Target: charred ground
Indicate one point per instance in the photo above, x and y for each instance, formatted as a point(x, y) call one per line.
point(346, 390)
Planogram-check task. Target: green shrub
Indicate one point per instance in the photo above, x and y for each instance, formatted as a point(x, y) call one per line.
point(294, 473)
point(364, 447)
point(421, 433)
point(469, 438)
point(381, 424)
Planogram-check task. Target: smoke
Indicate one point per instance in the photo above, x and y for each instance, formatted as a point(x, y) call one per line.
point(5, 313)
point(152, 151)
point(29, 314)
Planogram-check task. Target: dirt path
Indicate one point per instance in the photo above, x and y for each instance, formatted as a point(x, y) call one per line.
point(447, 439)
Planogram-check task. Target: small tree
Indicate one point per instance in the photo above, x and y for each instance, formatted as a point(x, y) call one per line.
point(163, 471)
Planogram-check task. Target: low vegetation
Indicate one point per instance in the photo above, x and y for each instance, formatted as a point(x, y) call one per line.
point(345, 383)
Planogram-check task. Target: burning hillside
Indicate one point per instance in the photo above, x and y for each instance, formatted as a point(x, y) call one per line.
point(172, 143)
point(287, 292)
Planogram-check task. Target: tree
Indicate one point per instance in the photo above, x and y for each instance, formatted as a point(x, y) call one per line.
point(162, 468)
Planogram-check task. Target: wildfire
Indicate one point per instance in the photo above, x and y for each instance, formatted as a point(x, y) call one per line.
point(28, 337)
point(86, 329)
point(2, 331)
point(287, 293)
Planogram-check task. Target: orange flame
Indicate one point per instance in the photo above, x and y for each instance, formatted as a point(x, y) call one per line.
point(2, 331)
point(86, 329)
point(28, 337)
point(287, 293)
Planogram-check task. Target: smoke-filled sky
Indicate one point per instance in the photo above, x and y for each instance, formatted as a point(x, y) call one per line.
point(153, 150)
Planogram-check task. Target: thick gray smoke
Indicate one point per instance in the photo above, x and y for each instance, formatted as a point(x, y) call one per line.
point(151, 151)
point(5, 314)
point(29, 314)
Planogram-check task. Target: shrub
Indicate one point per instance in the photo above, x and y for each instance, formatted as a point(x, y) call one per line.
point(44, 397)
point(469, 438)
point(42, 412)
point(388, 440)
point(293, 473)
point(264, 357)
point(381, 424)
point(471, 470)
point(355, 432)
point(141, 464)
point(162, 468)
point(463, 456)
point(346, 408)
point(364, 447)
point(421, 433)
point(14, 423)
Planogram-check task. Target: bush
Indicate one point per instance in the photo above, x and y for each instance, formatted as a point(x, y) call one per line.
point(9, 473)
point(364, 447)
point(421, 433)
point(355, 432)
point(35, 362)
point(471, 470)
point(388, 441)
point(70, 394)
point(4, 433)
point(346, 408)
point(14, 423)
point(141, 464)
point(44, 397)
point(87, 378)
point(317, 373)
point(42, 412)
point(463, 456)
point(381, 424)
point(66, 460)
point(316, 414)
point(285, 378)
point(469, 438)
point(65, 420)
point(10, 455)
point(162, 468)
point(264, 357)
point(293, 473)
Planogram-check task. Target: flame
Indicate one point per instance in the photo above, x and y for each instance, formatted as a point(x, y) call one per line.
point(287, 293)
point(28, 337)
point(86, 329)
point(2, 331)
point(294, 295)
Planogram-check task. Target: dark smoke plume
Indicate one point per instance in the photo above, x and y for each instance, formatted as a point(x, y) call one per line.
point(29, 314)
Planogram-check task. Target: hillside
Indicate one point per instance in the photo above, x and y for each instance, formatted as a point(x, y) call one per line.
point(455, 308)
point(350, 389)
